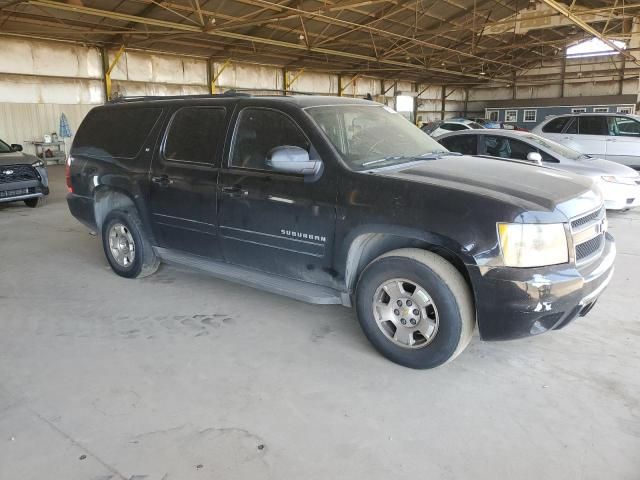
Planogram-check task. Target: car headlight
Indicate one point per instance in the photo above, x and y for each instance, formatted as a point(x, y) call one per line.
point(623, 180)
point(38, 163)
point(533, 244)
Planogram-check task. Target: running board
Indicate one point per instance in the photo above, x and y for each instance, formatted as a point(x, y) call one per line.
point(296, 289)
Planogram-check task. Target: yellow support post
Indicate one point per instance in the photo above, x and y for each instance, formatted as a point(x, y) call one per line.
point(107, 74)
point(344, 87)
point(222, 68)
point(291, 81)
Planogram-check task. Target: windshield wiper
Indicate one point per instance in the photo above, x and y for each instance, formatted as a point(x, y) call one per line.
point(380, 160)
point(436, 155)
point(424, 156)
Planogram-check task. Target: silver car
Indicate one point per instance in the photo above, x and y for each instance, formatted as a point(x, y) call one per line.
point(620, 185)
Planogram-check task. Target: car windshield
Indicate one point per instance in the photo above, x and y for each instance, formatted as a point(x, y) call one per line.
point(4, 148)
point(372, 136)
point(556, 148)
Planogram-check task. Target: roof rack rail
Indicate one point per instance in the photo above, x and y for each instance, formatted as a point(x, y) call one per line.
point(144, 98)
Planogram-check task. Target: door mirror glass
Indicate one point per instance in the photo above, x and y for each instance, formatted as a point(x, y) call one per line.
point(16, 147)
point(534, 157)
point(290, 159)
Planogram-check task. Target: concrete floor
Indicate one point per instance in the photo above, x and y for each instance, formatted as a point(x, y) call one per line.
point(181, 376)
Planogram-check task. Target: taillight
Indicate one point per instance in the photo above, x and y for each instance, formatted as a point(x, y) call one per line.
point(67, 174)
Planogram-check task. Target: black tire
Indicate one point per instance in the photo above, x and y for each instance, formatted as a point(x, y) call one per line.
point(446, 287)
point(34, 202)
point(145, 261)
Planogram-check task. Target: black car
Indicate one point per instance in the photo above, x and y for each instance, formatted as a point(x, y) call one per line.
point(22, 177)
point(335, 200)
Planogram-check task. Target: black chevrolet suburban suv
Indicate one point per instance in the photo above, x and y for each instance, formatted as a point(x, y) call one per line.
point(342, 201)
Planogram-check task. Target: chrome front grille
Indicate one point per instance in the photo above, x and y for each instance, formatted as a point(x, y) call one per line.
point(588, 233)
point(590, 247)
point(579, 222)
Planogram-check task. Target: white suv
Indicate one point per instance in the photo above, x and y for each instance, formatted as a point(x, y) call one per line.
point(613, 136)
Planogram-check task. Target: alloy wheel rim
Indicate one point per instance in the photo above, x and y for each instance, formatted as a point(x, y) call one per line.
point(121, 245)
point(405, 313)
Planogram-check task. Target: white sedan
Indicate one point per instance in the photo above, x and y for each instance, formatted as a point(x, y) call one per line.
point(620, 185)
point(440, 127)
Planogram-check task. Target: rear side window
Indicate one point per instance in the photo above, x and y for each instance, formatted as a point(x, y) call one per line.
point(194, 134)
point(593, 126)
point(466, 144)
point(260, 130)
point(453, 127)
point(115, 132)
point(556, 125)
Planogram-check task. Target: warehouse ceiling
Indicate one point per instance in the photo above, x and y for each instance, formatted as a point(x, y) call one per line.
point(437, 41)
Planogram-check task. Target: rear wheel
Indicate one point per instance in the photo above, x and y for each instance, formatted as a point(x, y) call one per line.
point(128, 251)
point(415, 308)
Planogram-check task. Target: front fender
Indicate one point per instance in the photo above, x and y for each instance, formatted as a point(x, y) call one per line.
point(367, 242)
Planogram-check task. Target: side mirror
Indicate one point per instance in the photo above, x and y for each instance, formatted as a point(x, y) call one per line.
point(291, 159)
point(534, 157)
point(16, 147)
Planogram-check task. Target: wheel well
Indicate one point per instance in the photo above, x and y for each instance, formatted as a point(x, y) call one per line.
point(366, 248)
point(108, 199)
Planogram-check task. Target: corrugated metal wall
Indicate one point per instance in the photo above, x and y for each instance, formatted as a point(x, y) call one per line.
point(41, 79)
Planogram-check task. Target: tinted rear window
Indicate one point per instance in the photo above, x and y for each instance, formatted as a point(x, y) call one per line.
point(115, 132)
point(556, 125)
point(593, 126)
point(466, 144)
point(194, 134)
point(453, 127)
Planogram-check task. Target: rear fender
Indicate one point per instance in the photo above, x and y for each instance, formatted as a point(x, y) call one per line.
point(107, 199)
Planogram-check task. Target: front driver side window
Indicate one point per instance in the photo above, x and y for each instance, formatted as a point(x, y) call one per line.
point(258, 131)
point(624, 127)
point(504, 147)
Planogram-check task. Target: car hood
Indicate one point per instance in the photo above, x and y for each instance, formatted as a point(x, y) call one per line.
point(15, 158)
point(596, 167)
point(532, 187)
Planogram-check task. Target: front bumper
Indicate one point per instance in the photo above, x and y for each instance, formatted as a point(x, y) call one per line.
point(15, 191)
point(520, 302)
point(619, 196)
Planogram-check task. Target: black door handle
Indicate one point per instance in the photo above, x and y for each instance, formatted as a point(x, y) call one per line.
point(162, 180)
point(234, 191)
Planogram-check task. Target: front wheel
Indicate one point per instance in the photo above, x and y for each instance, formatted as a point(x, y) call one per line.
point(415, 308)
point(34, 202)
point(128, 251)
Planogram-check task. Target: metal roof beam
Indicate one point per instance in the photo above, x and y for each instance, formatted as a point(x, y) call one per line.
point(562, 9)
point(237, 36)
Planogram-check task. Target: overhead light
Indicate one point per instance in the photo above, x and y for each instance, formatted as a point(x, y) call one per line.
point(482, 72)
